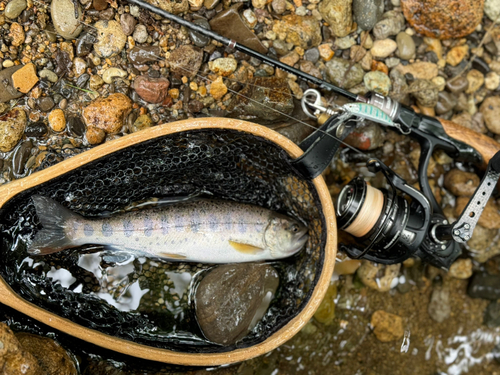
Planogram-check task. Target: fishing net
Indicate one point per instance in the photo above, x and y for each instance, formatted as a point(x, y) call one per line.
point(226, 164)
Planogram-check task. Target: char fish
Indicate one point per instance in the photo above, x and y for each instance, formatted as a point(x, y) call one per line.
point(200, 230)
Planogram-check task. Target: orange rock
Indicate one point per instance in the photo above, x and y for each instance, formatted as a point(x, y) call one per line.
point(25, 78)
point(218, 89)
point(387, 327)
point(379, 66)
point(108, 113)
point(457, 54)
point(95, 135)
point(57, 120)
point(325, 52)
point(443, 19)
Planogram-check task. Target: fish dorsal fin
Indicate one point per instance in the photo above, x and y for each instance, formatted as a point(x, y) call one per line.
point(245, 248)
point(172, 256)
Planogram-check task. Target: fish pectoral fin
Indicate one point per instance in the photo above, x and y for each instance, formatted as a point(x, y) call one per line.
point(172, 256)
point(245, 248)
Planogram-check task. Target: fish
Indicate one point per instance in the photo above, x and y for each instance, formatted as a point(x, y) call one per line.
point(200, 230)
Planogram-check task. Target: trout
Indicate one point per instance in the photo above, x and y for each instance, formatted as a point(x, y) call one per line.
point(200, 230)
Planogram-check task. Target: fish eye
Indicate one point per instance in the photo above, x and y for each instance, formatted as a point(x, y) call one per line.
point(294, 228)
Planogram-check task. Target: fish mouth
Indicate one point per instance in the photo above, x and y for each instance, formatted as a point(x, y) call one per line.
point(302, 238)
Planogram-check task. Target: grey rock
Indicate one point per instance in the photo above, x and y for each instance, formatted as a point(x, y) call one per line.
point(492, 315)
point(338, 13)
point(406, 46)
point(367, 12)
point(21, 155)
point(128, 23)
point(36, 129)
point(84, 44)
point(485, 286)
point(76, 126)
point(14, 8)
point(391, 24)
point(279, 6)
point(312, 55)
point(12, 125)
point(424, 92)
point(63, 18)
point(46, 103)
point(446, 102)
point(198, 39)
point(378, 82)
point(144, 54)
point(457, 85)
point(337, 72)
point(140, 34)
point(439, 306)
point(232, 298)
point(110, 38)
point(49, 75)
point(492, 9)
point(7, 89)
point(282, 48)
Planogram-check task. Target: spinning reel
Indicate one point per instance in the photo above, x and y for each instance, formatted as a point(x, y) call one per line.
point(391, 225)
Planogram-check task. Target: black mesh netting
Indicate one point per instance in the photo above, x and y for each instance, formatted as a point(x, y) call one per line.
point(227, 164)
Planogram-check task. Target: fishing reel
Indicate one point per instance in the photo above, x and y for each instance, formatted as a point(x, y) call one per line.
point(390, 225)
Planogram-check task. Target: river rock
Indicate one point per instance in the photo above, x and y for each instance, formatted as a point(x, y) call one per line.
point(152, 90)
point(337, 73)
point(304, 32)
point(140, 34)
point(218, 88)
point(386, 326)
point(223, 66)
point(25, 78)
point(475, 122)
point(461, 183)
point(457, 85)
point(46, 103)
point(57, 120)
point(490, 110)
point(14, 8)
point(36, 129)
point(128, 22)
point(274, 94)
point(475, 79)
point(16, 34)
point(231, 299)
point(198, 39)
point(12, 125)
point(492, 9)
point(63, 18)
point(110, 74)
point(485, 286)
point(144, 54)
point(309, 68)
point(171, 6)
point(7, 89)
point(110, 38)
point(425, 92)
point(366, 137)
point(420, 70)
point(406, 46)
point(391, 24)
point(378, 82)
point(492, 315)
point(383, 48)
point(338, 13)
point(21, 155)
point(443, 19)
point(185, 60)
point(142, 122)
point(14, 359)
point(326, 310)
point(95, 135)
point(461, 269)
point(457, 54)
point(492, 81)
point(446, 102)
point(439, 306)
point(229, 23)
point(76, 126)
point(108, 113)
point(377, 276)
point(367, 12)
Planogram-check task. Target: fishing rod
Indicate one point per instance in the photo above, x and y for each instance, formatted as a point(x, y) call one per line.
point(392, 225)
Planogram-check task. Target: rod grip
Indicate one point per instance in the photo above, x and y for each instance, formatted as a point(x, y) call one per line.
point(485, 145)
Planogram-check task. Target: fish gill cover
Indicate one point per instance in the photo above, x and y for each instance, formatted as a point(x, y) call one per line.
point(227, 164)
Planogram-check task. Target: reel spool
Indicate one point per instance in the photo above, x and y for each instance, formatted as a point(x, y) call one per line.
point(229, 158)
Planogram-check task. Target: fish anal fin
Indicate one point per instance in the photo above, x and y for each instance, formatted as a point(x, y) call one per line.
point(245, 248)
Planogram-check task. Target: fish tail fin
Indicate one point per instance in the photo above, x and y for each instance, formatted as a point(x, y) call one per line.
point(53, 217)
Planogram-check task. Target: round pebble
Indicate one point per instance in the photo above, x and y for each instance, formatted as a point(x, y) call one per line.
point(140, 34)
point(406, 46)
point(63, 18)
point(378, 82)
point(383, 48)
point(57, 120)
point(492, 81)
point(111, 39)
point(95, 135)
point(14, 8)
point(49, 75)
point(109, 74)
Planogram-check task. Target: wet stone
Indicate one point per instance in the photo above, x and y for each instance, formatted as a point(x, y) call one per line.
point(338, 14)
point(386, 326)
point(14, 359)
point(492, 315)
point(406, 46)
point(312, 55)
point(383, 48)
point(14, 8)
point(7, 89)
point(128, 22)
point(446, 102)
point(475, 79)
point(337, 72)
point(461, 269)
point(152, 90)
point(425, 92)
point(46, 104)
point(326, 310)
point(84, 44)
point(186, 60)
point(231, 298)
point(485, 286)
point(63, 18)
point(198, 39)
point(12, 125)
point(21, 155)
point(95, 135)
point(302, 32)
point(457, 85)
point(420, 70)
point(110, 38)
point(378, 82)
point(48, 75)
point(490, 108)
point(57, 120)
point(367, 12)
point(108, 114)
point(140, 34)
point(142, 122)
point(36, 129)
point(439, 306)
point(461, 183)
point(391, 24)
point(144, 54)
point(76, 126)
point(377, 276)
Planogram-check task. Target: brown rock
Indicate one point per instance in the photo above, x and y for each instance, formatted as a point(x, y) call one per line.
point(218, 89)
point(387, 327)
point(52, 358)
point(309, 68)
point(17, 34)
point(489, 219)
point(490, 110)
point(231, 298)
point(152, 90)
point(95, 135)
point(25, 78)
point(457, 54)
point(229, 24)
point(420, 70)
point(378, 276)
point(338, 13)
point(475, 79)
point(302, 32)
point(185, 60)
point(461, 183)
point(108, 113)
point(57, 120)
point(12, 125)
point(443, 19)
point(461, 269)
point(290, 58)
point(14, 359)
